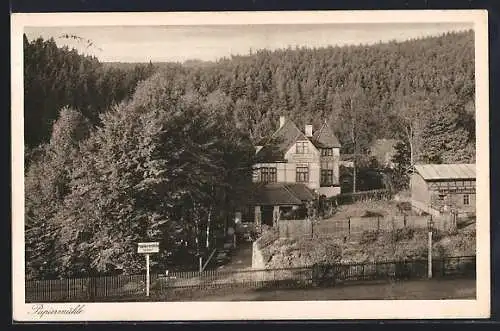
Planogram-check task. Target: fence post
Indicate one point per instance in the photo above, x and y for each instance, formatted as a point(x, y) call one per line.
point(404, 220)
point(349, 226)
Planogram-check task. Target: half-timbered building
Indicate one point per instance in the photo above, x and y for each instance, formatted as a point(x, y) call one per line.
point(441, 188)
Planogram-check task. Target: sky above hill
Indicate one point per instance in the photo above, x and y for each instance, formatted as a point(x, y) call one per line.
point(209, 43)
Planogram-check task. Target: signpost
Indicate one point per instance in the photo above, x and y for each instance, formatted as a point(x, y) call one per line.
point(148, 248)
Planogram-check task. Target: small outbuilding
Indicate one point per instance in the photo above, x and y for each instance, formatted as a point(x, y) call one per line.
point(273, 201)
point(443, 188)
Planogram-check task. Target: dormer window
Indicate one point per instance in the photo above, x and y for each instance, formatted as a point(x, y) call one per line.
point(327, 152)
point(302, 147)
point(268, 175)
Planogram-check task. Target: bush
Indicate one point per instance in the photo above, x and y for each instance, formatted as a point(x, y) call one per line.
point(267, 238)
point(404, 234)
point(437, 234)
point(403, 206)
point(323, 251)
point(469, 235)
point(463, 243)
point(369, 236)
point(370, 213)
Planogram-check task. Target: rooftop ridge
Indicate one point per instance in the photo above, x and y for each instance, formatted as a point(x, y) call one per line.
point(446, 171)
point(316, 138)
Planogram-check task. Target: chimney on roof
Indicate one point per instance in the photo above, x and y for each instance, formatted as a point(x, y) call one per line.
point(309, 130)
point(282, 121)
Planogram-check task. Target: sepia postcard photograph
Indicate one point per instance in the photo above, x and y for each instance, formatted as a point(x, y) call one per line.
point(250, 165)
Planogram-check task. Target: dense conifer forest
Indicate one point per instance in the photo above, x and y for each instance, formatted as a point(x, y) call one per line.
point(120, 153)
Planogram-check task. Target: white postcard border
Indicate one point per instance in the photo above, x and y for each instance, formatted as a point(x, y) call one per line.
point(378, 309)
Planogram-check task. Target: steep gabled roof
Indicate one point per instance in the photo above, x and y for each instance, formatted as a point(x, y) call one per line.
point(325, 138)
point(277, 145)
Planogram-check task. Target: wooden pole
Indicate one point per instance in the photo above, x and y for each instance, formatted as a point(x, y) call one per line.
point(429, 252)
point(147, 275)
point(430, 256)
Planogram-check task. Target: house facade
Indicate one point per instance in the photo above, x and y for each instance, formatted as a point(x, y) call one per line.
point(293, 167)
point(442, 188)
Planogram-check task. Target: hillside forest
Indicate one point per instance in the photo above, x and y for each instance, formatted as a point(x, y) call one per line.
point(121, 153)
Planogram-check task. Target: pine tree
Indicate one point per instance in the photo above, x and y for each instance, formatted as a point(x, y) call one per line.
point(444, 139)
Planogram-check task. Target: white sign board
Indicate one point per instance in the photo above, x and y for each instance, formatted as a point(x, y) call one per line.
point(148, 248)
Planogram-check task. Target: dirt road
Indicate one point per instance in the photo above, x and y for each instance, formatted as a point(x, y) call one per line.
point(404, 290)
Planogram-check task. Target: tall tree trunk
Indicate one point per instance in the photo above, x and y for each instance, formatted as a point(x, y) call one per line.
point(354, 141)
point(354, 175)
point(196, 229)
point(410, 143)
point(208, 228)
point(410, 134)
point(226, 213)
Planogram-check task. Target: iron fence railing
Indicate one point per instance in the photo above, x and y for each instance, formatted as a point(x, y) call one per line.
point(133, 286)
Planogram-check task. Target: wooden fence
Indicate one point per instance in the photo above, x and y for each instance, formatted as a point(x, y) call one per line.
point(291, 228)
point(116, 287)
point(355, 226)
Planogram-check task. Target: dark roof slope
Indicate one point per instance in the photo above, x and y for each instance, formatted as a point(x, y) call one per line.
point(325, 138)
point(278, 144)
point(275, 194)
point(300, 191)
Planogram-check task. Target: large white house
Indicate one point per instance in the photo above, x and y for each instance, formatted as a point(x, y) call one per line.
point(293, 167)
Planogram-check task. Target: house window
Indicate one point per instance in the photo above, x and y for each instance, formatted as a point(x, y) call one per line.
point(302, 147)
point(302, 175)
point(255, 175)
point(327, 152)
point(327, 165)
point(268, 175)
point(466, 199)
point(326, 177)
